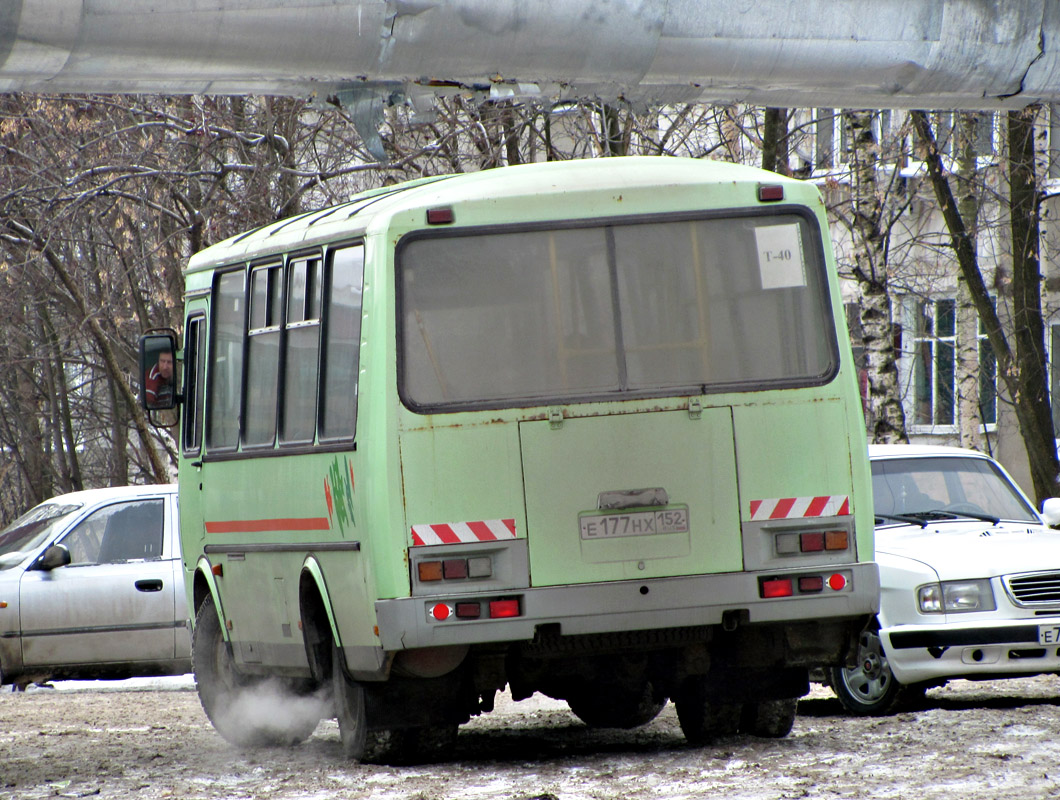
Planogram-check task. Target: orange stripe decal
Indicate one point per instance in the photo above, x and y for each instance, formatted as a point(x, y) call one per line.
point(267, 525)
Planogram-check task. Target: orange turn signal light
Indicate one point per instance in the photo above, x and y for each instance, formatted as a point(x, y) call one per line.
point(429, 570)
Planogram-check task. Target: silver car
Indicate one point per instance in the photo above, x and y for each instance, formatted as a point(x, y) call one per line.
point(91, 586)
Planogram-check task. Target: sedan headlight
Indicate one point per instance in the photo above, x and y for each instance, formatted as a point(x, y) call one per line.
point(955, 596)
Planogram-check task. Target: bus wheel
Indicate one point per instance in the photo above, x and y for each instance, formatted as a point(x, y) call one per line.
point(772, 719)
point(702, 716)
point(349, 709)
point(234, 702)
point(398, 746)
point(608, 707)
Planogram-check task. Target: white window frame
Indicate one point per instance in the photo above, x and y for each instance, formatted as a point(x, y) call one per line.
point(908, 307)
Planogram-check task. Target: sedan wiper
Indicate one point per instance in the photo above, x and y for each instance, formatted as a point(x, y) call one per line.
point(970, 514)
point(908, 519)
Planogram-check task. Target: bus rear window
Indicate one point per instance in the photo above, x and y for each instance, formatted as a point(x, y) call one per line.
point(521, 317)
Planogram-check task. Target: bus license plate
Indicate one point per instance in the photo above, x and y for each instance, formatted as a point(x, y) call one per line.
point(1049, 634)
point(636, 523)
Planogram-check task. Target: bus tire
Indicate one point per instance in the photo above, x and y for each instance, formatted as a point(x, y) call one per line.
point(770, 719)
point(350, 713)
point(401, 746)
point(703, 717)
point(608, 707)
point(231, 700)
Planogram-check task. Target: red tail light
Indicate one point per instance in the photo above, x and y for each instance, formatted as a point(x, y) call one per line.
point(504, 608)
point(777, 587)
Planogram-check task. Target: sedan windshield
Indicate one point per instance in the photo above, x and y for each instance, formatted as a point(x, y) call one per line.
point(945, 487)
point(29, 531)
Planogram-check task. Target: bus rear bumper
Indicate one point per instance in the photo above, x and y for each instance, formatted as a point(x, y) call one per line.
point(690, 601)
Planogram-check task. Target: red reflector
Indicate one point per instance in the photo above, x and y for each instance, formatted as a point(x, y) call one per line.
point(837, 582)
point(777, 587)
point(812, 542)
point(811, 583)
point(468, 610)
point(504, 608)
point(454, 568)
point(440, 611)
point(439, 216)
point(218, 570)
point(768, 192)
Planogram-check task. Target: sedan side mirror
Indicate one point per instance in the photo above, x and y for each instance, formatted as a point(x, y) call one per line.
point(1051, 511)
point(54, 556)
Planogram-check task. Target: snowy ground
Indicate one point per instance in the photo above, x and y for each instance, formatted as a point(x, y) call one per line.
point(150, 739)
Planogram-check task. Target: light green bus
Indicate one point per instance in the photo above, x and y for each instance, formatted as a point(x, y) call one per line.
point(585, 428)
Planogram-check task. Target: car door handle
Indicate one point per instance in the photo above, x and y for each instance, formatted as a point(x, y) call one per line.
point(151, 585)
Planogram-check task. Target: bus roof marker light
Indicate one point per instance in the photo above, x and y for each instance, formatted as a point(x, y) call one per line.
point(440, 216)
point(770, 192)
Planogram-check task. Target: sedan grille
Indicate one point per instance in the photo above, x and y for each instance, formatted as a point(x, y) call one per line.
point(1034, 589)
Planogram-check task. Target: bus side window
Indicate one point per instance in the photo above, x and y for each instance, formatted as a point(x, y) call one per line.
point(342, 340)
point(301, 349)
point(226, 365)
point(263, 355)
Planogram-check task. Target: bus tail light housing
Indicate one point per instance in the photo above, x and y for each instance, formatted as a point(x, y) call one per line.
point(791, 543)
point(466, 610)
point(454, 569)
point(778, 586)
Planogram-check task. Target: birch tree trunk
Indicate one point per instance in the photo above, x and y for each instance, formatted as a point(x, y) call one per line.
point(969, 416)
point(870, 268)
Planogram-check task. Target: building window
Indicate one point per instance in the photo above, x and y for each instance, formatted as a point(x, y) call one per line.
point(932, 366)
point(934, 362)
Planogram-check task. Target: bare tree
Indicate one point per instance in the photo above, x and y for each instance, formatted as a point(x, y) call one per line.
point(1022, 368)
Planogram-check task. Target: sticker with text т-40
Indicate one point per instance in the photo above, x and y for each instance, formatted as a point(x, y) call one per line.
point(780, 256)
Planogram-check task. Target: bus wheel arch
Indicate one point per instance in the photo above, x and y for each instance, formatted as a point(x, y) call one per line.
point(317, 623)
point(200, 590)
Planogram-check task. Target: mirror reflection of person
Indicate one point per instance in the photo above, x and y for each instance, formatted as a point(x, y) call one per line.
point(158, 383)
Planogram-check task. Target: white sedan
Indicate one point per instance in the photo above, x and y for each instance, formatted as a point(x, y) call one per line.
point(969, 577)
point(91, 586)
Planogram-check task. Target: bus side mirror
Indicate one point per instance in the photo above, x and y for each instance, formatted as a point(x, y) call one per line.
point(158, 370)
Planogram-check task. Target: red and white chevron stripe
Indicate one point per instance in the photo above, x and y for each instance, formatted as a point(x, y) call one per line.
point(835, 505)
point(487, 530)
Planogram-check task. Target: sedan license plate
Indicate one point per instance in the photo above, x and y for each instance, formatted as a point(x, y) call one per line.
point(1049, 634)
point(634, 523)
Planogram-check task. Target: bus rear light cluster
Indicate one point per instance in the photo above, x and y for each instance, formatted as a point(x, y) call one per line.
point(454, 569)
point(812, 542)
point(790, 586)
point(500, 608)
